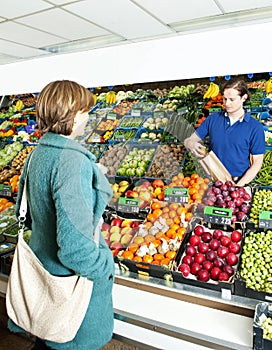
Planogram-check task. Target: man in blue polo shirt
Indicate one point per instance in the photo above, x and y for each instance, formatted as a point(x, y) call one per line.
point(234, 135)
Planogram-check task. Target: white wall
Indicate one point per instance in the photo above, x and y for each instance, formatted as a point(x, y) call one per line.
point(239, 50)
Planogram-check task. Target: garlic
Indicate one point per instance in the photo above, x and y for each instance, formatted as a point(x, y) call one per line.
point(163, 248)
point(142, 251)
point(152, 249)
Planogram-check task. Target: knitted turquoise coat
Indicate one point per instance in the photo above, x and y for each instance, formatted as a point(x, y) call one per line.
point(67, 196)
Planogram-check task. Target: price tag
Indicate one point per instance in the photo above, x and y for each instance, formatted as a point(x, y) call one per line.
point(128, 205)
point(136, 112)
point(265, 219)
point(111, 116)
point(216, 215)
point(158, 114)
point(226, 294)
point(5, 190)
point(176, 195)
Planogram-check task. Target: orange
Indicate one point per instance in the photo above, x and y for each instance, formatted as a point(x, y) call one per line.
point(156, 243)
point(194, 176)
point(177, 220)
point(165, 261)
point(165, 210)
point(137, 258)
point(155, 262)
point(173, 206)
point(149, 238)
point(158, 257)
point(159, 235)
point(148, 225)
point(127, 255)
point(181, 210)
point(174, 179)
point(170, 254)
point(188, 216)
point(157, 213)
point(172, 214)
point(175, 227)
point(181, 230)
point(169, 222)
point(170, 233)
point(148, 258)
point(180, 176)
point(133, 247)
point(156, 205)
point(150, 217)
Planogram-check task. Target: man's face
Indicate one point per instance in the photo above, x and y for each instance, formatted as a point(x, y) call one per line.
point(233, 102)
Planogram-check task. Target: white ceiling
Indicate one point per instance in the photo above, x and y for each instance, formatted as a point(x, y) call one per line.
point(36, 28)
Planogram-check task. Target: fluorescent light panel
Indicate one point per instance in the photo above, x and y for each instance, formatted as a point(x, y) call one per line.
point(82, 45)
point(226, 20)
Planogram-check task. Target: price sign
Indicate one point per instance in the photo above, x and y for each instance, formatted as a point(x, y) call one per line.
point(128, 205)
point(176, 195)
point(5, 190)
point(136, 112)
point(265, 219)
point(158, 114)
point(216, 215)
point(111, 116)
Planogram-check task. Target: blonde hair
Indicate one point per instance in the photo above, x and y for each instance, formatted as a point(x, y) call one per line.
point(58, 103)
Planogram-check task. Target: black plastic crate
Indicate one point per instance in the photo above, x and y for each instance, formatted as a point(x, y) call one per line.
point(262, 311)
point(6, 262)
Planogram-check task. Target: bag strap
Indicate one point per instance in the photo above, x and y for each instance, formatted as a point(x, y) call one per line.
point(23, 208)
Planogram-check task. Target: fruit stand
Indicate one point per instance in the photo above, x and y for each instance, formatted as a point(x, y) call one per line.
point(192, 254)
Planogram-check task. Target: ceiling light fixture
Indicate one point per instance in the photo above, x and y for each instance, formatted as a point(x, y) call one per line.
point(231, 19)
point(83, 45)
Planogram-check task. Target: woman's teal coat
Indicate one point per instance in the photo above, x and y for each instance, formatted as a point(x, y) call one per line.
point(67, 196)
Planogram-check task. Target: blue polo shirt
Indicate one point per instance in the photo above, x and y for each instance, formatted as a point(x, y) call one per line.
point(233, 144)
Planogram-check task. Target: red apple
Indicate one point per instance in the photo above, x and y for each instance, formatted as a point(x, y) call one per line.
point(207, 265)
point(190, 250)
point(214, 244)
point(206, 237)
point(222, 251)
point(234, 247)
point(116, 222)
point(231, 259)
point(225, 240)
point(199, 230)
point(236, 236)
point(215, 271)
point(203, 275)
point(217, 233)
point(218, 262)
point(199, 258)
point(195, 268)
point(210, 255)
point(135, 224)
point(187, 259)
point(194, 240)
point(105, 227)
point(203, 247)
point(228, 269)
point(184, 269)
point(223, 276)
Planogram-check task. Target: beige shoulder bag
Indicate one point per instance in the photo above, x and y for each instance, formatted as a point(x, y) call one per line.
point(47, 306)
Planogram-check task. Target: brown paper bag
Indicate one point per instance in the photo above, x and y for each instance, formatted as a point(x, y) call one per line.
point(215, 168)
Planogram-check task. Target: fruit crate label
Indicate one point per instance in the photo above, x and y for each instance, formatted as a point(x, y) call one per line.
point(158, 114)
point(215, 109)
point(176, 195)
point(5, 190)
point(136, 112)
point(112, 116)
point(217, 215)
point(128, 205)
point(265, 219)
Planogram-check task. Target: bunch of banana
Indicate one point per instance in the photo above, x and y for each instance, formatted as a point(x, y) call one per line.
point(111, 97)
point(19, 105)
point(268, 86)
point(95, 99)
point(212, 91)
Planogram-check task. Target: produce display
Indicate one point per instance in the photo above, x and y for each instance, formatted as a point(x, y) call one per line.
point(136, 161)
point(266, 324)
point(210, 254)
point(262, 201)
point(256, 263)
point(138, 136)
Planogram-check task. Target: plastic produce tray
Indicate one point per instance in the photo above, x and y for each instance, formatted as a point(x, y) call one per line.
point(262, 311)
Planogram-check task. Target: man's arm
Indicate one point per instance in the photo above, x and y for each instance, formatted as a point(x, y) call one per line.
point(193, 143)
point(257, 161)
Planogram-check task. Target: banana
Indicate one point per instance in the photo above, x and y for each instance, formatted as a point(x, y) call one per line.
point(209, 91)
point(215, 91)
point(94, 98)
point(268, 86)
point(19, 105)
point(111, 97)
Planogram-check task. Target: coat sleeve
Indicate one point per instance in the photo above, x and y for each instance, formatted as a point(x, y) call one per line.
point(78, 208)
